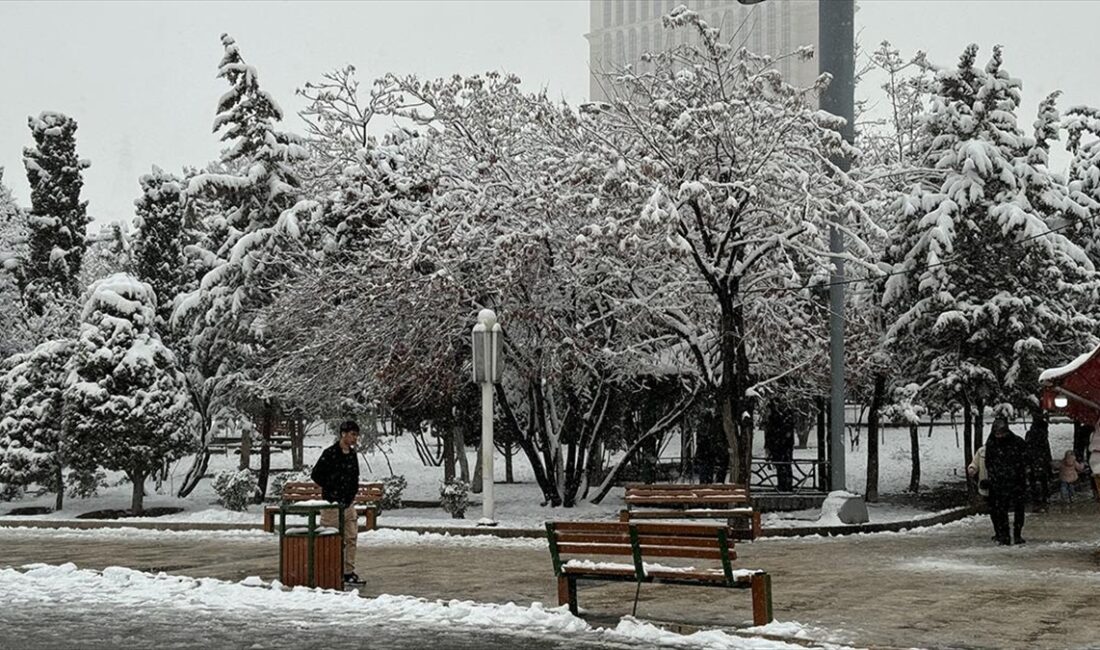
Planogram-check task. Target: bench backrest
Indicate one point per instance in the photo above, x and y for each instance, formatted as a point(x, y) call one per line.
point(658, 494)
point(308, 491)
point(640, 541)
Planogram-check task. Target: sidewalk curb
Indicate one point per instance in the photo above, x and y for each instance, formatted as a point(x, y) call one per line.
point(888, 527)
point(507, 533)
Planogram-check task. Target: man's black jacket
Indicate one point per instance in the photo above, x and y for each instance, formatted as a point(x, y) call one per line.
point(1006, 463)
point(338, 475)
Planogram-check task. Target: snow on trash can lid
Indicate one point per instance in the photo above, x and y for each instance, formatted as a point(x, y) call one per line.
point(303, 530)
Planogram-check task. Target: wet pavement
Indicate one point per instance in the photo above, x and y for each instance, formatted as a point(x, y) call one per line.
point(948, 586)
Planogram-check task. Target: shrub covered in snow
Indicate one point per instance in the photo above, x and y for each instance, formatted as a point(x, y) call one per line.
point(235, 488)
point(392, 489)
point(280, 480)
point(453, 497)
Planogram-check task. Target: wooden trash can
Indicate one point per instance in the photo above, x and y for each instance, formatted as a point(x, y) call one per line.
point(310, 556)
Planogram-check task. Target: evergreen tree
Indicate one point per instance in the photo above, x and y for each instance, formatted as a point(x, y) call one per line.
point(127, 402)
point(158, 256)
point(31, 405)
point(1083, 125)
point(14, 336)
point(249, 249)
point(58, 219)
point(986, 293)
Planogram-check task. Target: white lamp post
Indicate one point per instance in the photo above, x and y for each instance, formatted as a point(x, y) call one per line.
point(488, 347)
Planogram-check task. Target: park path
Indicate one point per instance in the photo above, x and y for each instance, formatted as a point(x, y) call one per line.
point(947, 586)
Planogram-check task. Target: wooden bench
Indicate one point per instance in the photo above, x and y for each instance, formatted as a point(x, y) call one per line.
point(367, 501)
point(580, 541)
point(686, 501)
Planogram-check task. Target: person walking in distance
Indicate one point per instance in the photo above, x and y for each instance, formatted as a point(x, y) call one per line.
point(1039, 461)
point(1006, 464)
point(337, 472)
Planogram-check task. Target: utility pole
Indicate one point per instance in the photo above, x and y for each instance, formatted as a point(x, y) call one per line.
point(836, 35)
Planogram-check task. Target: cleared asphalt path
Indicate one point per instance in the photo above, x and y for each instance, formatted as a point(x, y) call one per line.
point(948, 586)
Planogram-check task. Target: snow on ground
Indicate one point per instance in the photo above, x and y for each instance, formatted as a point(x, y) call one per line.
point(41, 589)
point(518, 505)
point(371, 539)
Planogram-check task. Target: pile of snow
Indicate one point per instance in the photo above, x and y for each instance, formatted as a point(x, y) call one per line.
point(44, 586)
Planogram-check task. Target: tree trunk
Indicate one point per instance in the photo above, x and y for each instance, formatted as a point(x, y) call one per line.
point(449, 454)
point(475, 484)
point(59, 480)
point(509, 453)
point(137, 497)
point(195, 474)
point(267, 425)
point(968, 431)
point(246, 448)
point(297, 443)
point(877, 395)
point(595, 465)
point(979, 425)
point(968, 427)
point(460, 451)
point(914, 452)
point(202, 457)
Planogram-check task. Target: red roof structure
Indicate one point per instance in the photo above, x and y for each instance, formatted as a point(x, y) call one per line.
point(1079, 383)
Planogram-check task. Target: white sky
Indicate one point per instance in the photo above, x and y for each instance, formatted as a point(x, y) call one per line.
point(139, 77)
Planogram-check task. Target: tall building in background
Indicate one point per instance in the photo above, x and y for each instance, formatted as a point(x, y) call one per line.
point(622, 30)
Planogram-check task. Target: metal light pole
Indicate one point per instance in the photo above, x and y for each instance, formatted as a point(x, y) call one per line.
point(836, 33)
point(488, 348)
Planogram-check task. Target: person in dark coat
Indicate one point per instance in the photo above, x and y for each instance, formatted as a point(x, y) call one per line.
point(779, 442)
point(1006, 462)
point(1039, 461)
point(337, 472)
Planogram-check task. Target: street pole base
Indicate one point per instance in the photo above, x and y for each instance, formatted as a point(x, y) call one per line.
point(486, 522)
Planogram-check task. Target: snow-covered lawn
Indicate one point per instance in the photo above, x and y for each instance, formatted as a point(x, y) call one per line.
point(518, 505)
point(258, 614)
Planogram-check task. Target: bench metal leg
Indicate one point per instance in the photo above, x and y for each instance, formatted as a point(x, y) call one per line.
point(761, 599)
point(567, 593)
point(370, 521)
point(756, 528)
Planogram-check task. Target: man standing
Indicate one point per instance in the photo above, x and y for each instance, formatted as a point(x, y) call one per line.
point(1039, 460)
point(337, 472)
point(1006, 463)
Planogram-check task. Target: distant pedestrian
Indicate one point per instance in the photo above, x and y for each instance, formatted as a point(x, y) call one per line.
point(1039, 462)
point(779, 442)
point(1006, 463)
point(1068, 475)
point(337, 472)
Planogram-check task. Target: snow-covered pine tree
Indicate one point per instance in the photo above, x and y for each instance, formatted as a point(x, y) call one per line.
point(158, 241)
point(984, 293)
point(14, 334)
point(1083, 125)
point(31, 418)
point(126, 401)
point(260, 192)
point(58, 220)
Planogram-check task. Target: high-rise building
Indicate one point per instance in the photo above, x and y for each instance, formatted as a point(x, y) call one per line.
point(622, 30)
